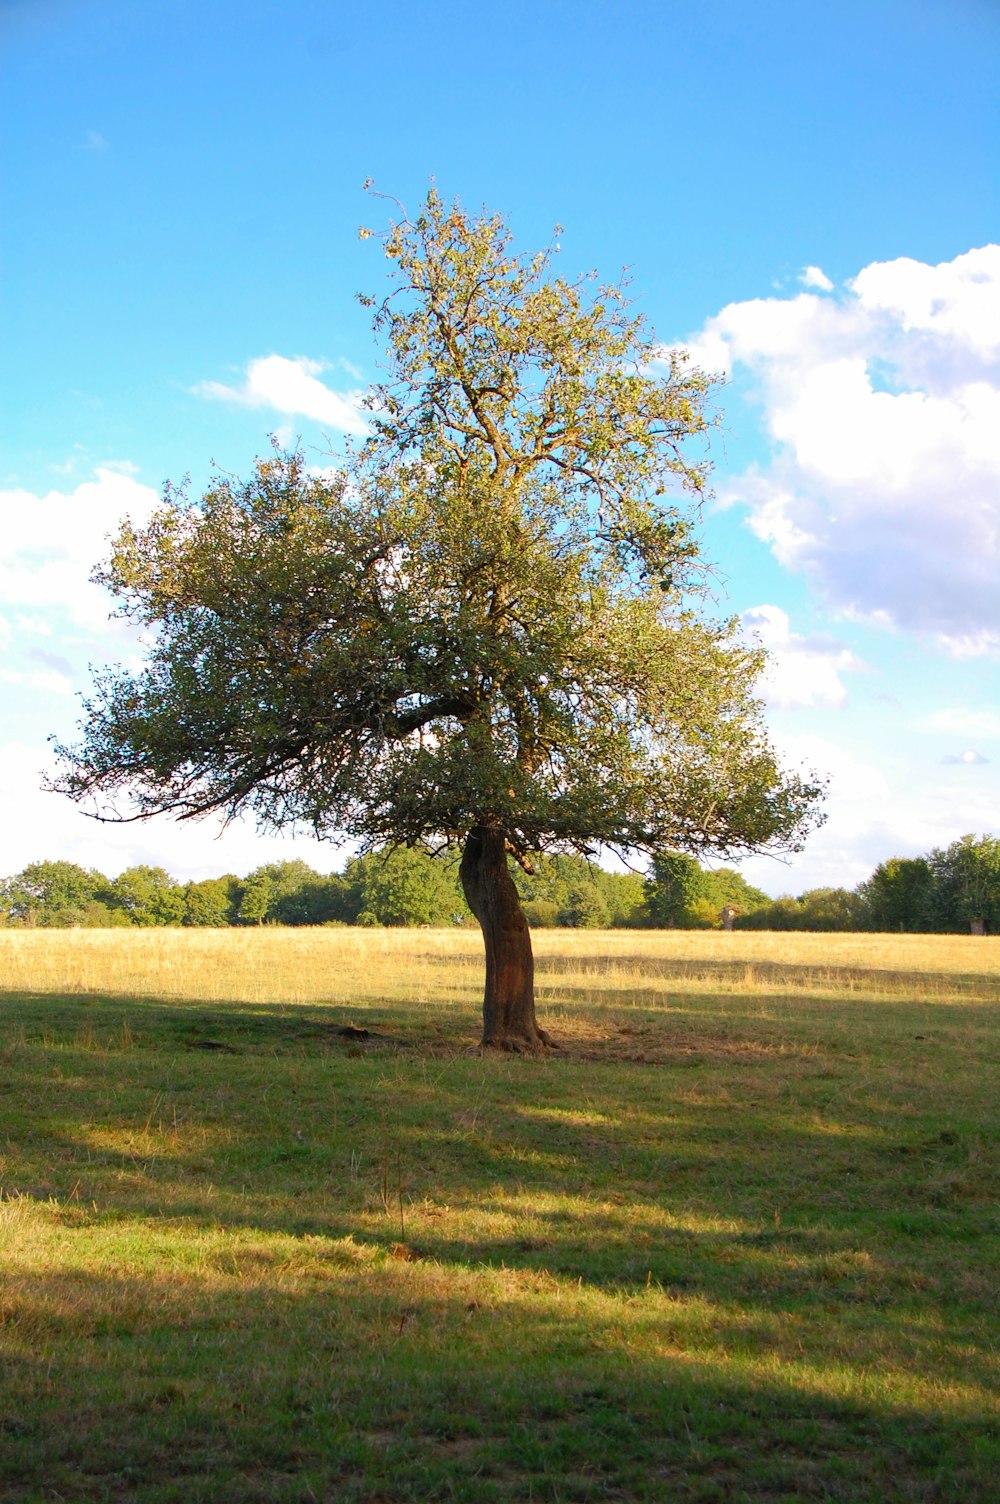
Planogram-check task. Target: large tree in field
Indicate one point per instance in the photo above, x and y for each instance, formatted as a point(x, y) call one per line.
point(481, 628)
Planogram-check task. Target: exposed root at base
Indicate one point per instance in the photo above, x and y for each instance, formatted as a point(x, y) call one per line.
point(513, 1044)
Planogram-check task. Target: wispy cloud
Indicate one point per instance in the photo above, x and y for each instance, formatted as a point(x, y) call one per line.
point(980, 724)
point(815, 276)
point(292, 386)
point(40, 681)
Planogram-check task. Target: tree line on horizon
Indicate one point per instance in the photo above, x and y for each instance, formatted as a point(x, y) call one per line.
point(950, 890)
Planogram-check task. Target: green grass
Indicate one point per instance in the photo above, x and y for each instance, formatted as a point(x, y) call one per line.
point(738, 1241)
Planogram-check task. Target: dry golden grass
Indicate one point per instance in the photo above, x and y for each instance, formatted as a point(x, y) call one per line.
point(361, 965)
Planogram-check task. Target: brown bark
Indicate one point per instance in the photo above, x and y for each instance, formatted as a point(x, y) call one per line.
point(509, 999)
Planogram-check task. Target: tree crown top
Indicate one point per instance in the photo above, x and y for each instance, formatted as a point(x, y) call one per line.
point(483, 619)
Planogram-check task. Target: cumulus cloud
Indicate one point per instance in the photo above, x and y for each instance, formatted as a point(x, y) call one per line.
point(882, 405)
point(802, 672)
point(293, 387)
point(50, 543)
point(710, 352)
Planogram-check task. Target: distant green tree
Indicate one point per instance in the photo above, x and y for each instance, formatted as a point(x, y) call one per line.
point(818, 909)
point(541, 913)
point(897, 896)
point(783, 913)
point(317, 900)
point(212, 903)
point(291, 893)
point(626, 896)
point(148, 896)
point(255, 899)
point(726, 888)
point(570, 890)
point(586, 908)
point(98, 915)
point(404, 885)
point(965, 892)
point(51, 894)
point(831, 909)
point(549, 880)
point(683, 895)
point(703, 914)
point(676, 883)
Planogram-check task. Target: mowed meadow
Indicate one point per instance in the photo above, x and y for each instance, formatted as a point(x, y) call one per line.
point(272, 1228)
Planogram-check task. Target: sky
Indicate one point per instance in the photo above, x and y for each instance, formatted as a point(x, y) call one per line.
point(806, 197)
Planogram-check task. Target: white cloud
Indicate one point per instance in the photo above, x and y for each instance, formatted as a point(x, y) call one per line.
point(710, 352)
point(293, 387)
point(40, 826)
point(955, 301)
point(815, 276)
point(36, 626)
point(43, 681)
point(882, 405)
point(897, 807)
point(801, 671)
point(49, 545)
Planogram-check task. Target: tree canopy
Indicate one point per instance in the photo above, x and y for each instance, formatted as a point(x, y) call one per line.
point(482, 627)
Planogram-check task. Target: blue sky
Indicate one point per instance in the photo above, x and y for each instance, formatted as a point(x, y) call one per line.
point(807, 196)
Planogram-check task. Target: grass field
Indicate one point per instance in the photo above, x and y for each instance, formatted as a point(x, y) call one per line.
point(738, 1240)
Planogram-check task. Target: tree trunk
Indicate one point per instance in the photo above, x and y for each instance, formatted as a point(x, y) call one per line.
point(509, 999)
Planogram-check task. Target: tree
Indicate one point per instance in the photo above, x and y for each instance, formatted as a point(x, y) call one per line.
point(586, 908)
point(483, 628)
point(52, 894)
point(785, 913)
point(290, 893)
point(831, 909)
point(897, 895)
point(211, 903)
point(816, 910)
point(148, 896)
point(317, 900)
point(403, 885)
point(966, 885)
point(256, 897)
point(675, 884)
point(726, 888)
point(571, 891)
